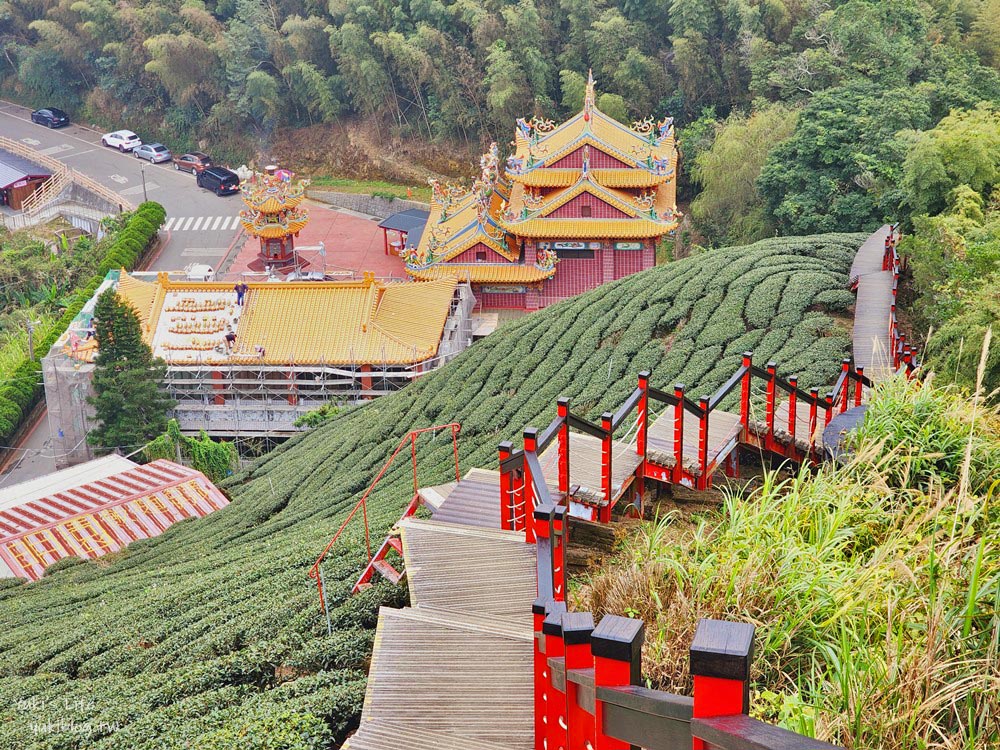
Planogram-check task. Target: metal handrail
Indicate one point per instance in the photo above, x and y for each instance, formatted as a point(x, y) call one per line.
point(362, 504)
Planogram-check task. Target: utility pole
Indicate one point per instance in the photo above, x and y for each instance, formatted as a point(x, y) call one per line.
point(142, 168)
point(31, 337)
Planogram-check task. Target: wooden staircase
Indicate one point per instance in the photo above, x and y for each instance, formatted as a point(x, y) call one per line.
point(455, 669)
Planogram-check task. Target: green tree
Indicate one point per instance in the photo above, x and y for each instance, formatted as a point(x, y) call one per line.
point(215, 459)
point(129, 406)
point(729, 209)
point(962, 149)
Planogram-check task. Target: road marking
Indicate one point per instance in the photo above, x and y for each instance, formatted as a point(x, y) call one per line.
point(55, 149)
point(200, 223)
point(169, 223)
point(31, 141)
point(187, 224)
point(78, 153)
point(120, 179)
point(197, 224)
point(218, 220)
point(203, 252)
point(139, 189)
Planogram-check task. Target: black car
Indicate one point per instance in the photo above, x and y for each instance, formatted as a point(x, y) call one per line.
point(54, 118)
point(219, 180)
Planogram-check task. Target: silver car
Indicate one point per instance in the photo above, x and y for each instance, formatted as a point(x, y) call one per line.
point(154, 152)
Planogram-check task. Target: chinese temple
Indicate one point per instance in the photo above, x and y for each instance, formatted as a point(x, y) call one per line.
point(576, 205)
point(273, 216)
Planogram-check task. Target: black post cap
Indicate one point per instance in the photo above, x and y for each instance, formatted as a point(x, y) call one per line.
point(530, 432)
point(552, 625)
point(506, 445)
point(577, 627)
point(541, 513)
point(540, 605)
point(644, 374)
point(619, 638)
point(678, 386)
point(563, 400)
point(722, 649)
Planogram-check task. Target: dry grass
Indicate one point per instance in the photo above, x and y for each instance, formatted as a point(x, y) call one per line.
point(875, 586)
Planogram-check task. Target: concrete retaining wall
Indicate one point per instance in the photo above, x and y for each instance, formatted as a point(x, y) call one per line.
point(366, 204)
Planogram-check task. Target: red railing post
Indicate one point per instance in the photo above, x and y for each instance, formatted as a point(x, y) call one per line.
point(845, 367)
point(643, 415)
point(454, 448)
point(859, 386)
point(607, 449)
point(829, 408)
point(901, 351)
point(617, 647)
point(562, 409)
point(413, 458)
point(539, 609)
point(528, 489)
point(706, 477)
point(577, 628)
point(793, 399)
point(720, 665)
point(813, 414)
point(555, 705)
point(679, 433)
point(745, 392)
point(769, 407)
point(506, 488)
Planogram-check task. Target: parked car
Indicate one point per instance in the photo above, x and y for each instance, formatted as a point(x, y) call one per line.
point(52, 117)
point(123, 140)
point(155, 152)
point(194, 162)
point(219, 180)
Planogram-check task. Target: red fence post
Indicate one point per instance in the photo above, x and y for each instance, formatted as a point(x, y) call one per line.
point(528, 489)
point(506, 488)
point(555, 705)
point(678, 433)
point(745, 392)
point(772, 369)
point(641, 432)
point(617, 647)
point(720, 665)
point(542, 677)
point(577, 627)
point(793, 399)
point(829, 408)
point(845, 395)
point(859, 386)
point(607, 449)
point(562, 409)
point(813, 414)
point(706, 475)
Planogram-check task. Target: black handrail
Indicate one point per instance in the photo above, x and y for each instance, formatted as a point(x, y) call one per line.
point(584, 426)
point(726, 388)
point(548, 434)
point(630, 403)
point(662, 396)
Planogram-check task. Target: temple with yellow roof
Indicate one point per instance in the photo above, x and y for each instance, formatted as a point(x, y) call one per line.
point(298, 345)
point(576, 205)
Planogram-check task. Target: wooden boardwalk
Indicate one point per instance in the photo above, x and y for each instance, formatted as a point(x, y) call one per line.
point(723, 433)
point(454, 671)
point(474, 501)
point(871, 343)
point(585, 468)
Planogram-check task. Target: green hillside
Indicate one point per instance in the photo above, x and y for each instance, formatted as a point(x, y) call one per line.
point(210, 636)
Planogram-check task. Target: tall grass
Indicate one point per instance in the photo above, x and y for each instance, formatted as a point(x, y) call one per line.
point(875, 587)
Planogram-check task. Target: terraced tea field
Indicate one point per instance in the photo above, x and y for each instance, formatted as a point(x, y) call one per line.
point(209, 636)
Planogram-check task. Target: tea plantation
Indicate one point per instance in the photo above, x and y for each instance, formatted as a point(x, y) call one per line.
point(210, 636)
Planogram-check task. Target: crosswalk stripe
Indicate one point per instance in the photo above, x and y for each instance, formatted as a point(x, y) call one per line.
point(187, 225)
point(218, 220)
point(169, 223)
point(229, 222)
point(197, 224)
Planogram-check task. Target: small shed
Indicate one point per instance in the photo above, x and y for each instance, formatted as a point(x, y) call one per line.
point(19, 178)
point(407, 228)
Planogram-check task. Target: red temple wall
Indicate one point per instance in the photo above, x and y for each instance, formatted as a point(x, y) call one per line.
point(598, 160)
point(632, 261)
point(498, 301)
point(573, 276)
point(598, 209)
point(469, 256)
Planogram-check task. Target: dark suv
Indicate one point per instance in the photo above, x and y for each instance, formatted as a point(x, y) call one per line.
point(219, 180)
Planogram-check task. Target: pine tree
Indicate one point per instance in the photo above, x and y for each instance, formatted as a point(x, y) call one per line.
point(129, 406)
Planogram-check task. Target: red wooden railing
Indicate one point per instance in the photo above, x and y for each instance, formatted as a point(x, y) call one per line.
point(315, 572)
point(904, 355)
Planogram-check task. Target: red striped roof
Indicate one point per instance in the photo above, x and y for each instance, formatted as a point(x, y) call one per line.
point(102, 516)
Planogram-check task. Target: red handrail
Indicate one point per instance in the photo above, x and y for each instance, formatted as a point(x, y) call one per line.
point(410, 437)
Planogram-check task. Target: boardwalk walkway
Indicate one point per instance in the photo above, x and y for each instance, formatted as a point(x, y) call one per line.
point(872, 348)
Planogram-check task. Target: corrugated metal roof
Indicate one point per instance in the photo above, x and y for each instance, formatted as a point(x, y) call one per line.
point(57, 481)
point(104, 515)
point(14, 169)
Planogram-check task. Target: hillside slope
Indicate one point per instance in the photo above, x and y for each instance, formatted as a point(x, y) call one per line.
point(210, 636)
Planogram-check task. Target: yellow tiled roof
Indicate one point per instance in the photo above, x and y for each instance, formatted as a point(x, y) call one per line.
point(637, 178)
point(145, 297)
point(343, 323)
point(460, 230)
point(484, 273)
point(593, 228)
point(617, 198)
point(274, 230)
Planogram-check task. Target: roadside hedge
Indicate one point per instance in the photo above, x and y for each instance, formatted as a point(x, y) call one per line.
point(21, 389)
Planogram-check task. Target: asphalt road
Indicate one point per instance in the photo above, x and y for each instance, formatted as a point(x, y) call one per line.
point(200, 227)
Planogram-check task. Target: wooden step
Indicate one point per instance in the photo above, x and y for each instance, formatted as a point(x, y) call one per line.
point(380, 735)
point(474, 501)
point(446, 674)
point(387, 571)
point(463, 568)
